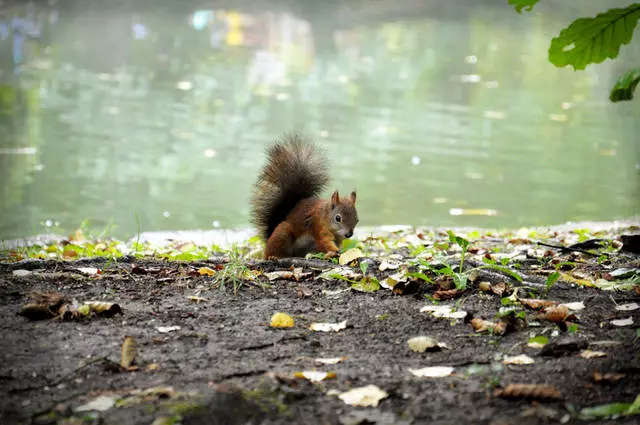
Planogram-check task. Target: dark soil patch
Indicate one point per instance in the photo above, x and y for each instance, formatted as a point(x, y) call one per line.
point(225, 358)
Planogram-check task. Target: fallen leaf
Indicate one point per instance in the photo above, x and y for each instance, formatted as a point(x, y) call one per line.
point(536, 304)
point(443, 311)
point(90, 271)
point(103, 308)
point(623, 322)
point(367, 284)
point(484, 286)
point(368, 396)
point(538, 341)
point(392, 280)
point(388, 264)
point(341, 273)
point(433, 371)
point(196, 299)
point(576, 306)
point(589, 354)
point(481, 325)
point(128, 352)
point(499, 288)
point(331, 360)
point(556, 313)
point(100, 404)
point(167, 329)
point(613, 410)
point(627, 307)
point(623, 273)
point(281, 320)
point(206, 271)
point(328, 327)
point(405, 288)
point(522, 359)
point(420, 344)
point(315, 376)
point(529, 391)
point(610, 377)
point(349, 256)
point(441, 294)
point(295, 274)
point(153, 366)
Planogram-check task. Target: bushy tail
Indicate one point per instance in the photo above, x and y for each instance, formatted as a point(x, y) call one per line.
point(295, 170)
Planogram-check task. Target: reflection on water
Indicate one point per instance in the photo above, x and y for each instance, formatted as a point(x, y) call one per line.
point(443, 113)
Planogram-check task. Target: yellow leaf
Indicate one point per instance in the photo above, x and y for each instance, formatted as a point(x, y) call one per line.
point(349, 256)
point(206, 271)
point(128, 352)
point(281, 320)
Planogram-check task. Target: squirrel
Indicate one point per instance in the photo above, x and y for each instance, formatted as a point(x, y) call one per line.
point(286, 208)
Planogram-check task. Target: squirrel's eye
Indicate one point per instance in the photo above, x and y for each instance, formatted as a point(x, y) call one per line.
point(338, 218)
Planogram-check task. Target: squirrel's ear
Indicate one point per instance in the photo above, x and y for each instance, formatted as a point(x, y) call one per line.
point(353, 197)
point(335, 198)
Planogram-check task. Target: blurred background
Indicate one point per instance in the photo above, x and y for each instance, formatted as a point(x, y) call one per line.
point(157, 113)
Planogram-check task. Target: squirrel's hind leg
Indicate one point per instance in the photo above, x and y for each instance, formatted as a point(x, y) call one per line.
point(280, 243)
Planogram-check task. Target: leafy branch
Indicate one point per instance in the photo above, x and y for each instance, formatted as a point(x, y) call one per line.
point(593, 40)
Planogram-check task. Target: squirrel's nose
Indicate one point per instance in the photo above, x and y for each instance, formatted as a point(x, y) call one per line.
point(349, 234)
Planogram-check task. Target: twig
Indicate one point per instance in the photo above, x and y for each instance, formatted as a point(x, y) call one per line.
point(566, 248)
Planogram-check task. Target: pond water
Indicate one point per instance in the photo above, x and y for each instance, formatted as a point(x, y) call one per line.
point(136, 117)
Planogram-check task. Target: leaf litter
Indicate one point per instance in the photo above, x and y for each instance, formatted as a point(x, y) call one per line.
point(480, 275)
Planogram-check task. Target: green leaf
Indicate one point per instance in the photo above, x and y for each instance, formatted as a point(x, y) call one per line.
point(504, 270)
point(460, 281)
point(540, 339)
point(527, 5)
point(420, 276)
point(623, 90)
point(367, 284)
point(553, 278)
point(613, 410)
point(592, 40)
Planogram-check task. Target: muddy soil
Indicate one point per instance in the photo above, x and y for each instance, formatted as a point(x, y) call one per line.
point(226, 365)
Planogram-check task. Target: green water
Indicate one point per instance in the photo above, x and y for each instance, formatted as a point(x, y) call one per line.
point(438, 113)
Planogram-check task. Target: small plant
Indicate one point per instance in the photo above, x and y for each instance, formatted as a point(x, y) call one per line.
point(551, 280)
point(461, 277)
point(234, 271)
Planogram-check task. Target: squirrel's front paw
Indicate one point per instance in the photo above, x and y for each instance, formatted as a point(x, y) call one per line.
point(331, 254)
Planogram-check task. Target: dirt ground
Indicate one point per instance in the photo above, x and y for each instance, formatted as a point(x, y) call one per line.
point(226, 365)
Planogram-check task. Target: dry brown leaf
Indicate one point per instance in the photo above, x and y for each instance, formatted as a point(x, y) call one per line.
point(481, 325)
point(43, 305)
point(556, 313)
point(128, 352)
point(446, 295)
point(609, 377)
point(529, 391)
point(536, 304)
point(405, 288)
point(499, 288)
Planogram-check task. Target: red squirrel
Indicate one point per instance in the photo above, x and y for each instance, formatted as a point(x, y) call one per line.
point(286, 208)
